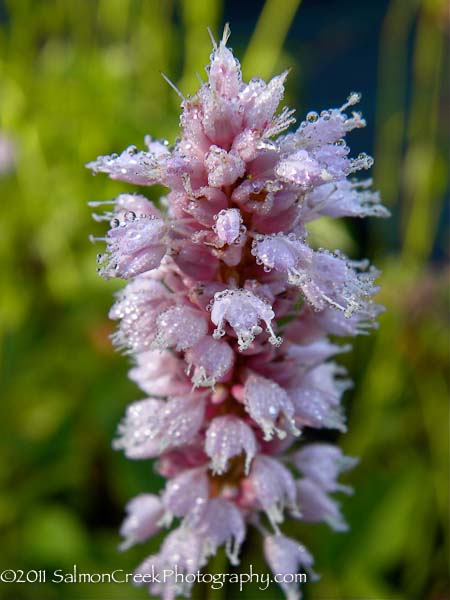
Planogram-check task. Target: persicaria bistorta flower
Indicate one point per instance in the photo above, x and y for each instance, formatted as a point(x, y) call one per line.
point(228, 314)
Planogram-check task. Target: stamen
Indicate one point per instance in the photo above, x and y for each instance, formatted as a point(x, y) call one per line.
point(353, 98)
point(173, 86)
point(226, 34)
point(103, 217)
point(93, 239)
point(213, 41)
point(96, 203)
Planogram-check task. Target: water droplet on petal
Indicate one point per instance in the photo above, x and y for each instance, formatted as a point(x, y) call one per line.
point(312, 116)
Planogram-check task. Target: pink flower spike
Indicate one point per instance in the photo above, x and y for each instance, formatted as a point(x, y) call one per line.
point(227, 437)
point(225, 400)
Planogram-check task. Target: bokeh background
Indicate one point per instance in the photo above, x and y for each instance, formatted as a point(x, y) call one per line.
point(80, 78)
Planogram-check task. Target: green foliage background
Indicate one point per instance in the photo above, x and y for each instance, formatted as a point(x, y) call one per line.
point(81, 78)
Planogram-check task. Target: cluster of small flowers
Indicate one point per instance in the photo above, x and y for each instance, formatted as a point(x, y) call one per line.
point(215, 278)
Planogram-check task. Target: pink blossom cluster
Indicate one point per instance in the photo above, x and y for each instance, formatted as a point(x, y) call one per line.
point(228, 316)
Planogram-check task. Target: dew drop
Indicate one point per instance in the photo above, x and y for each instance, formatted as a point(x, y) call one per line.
point(312, 116)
